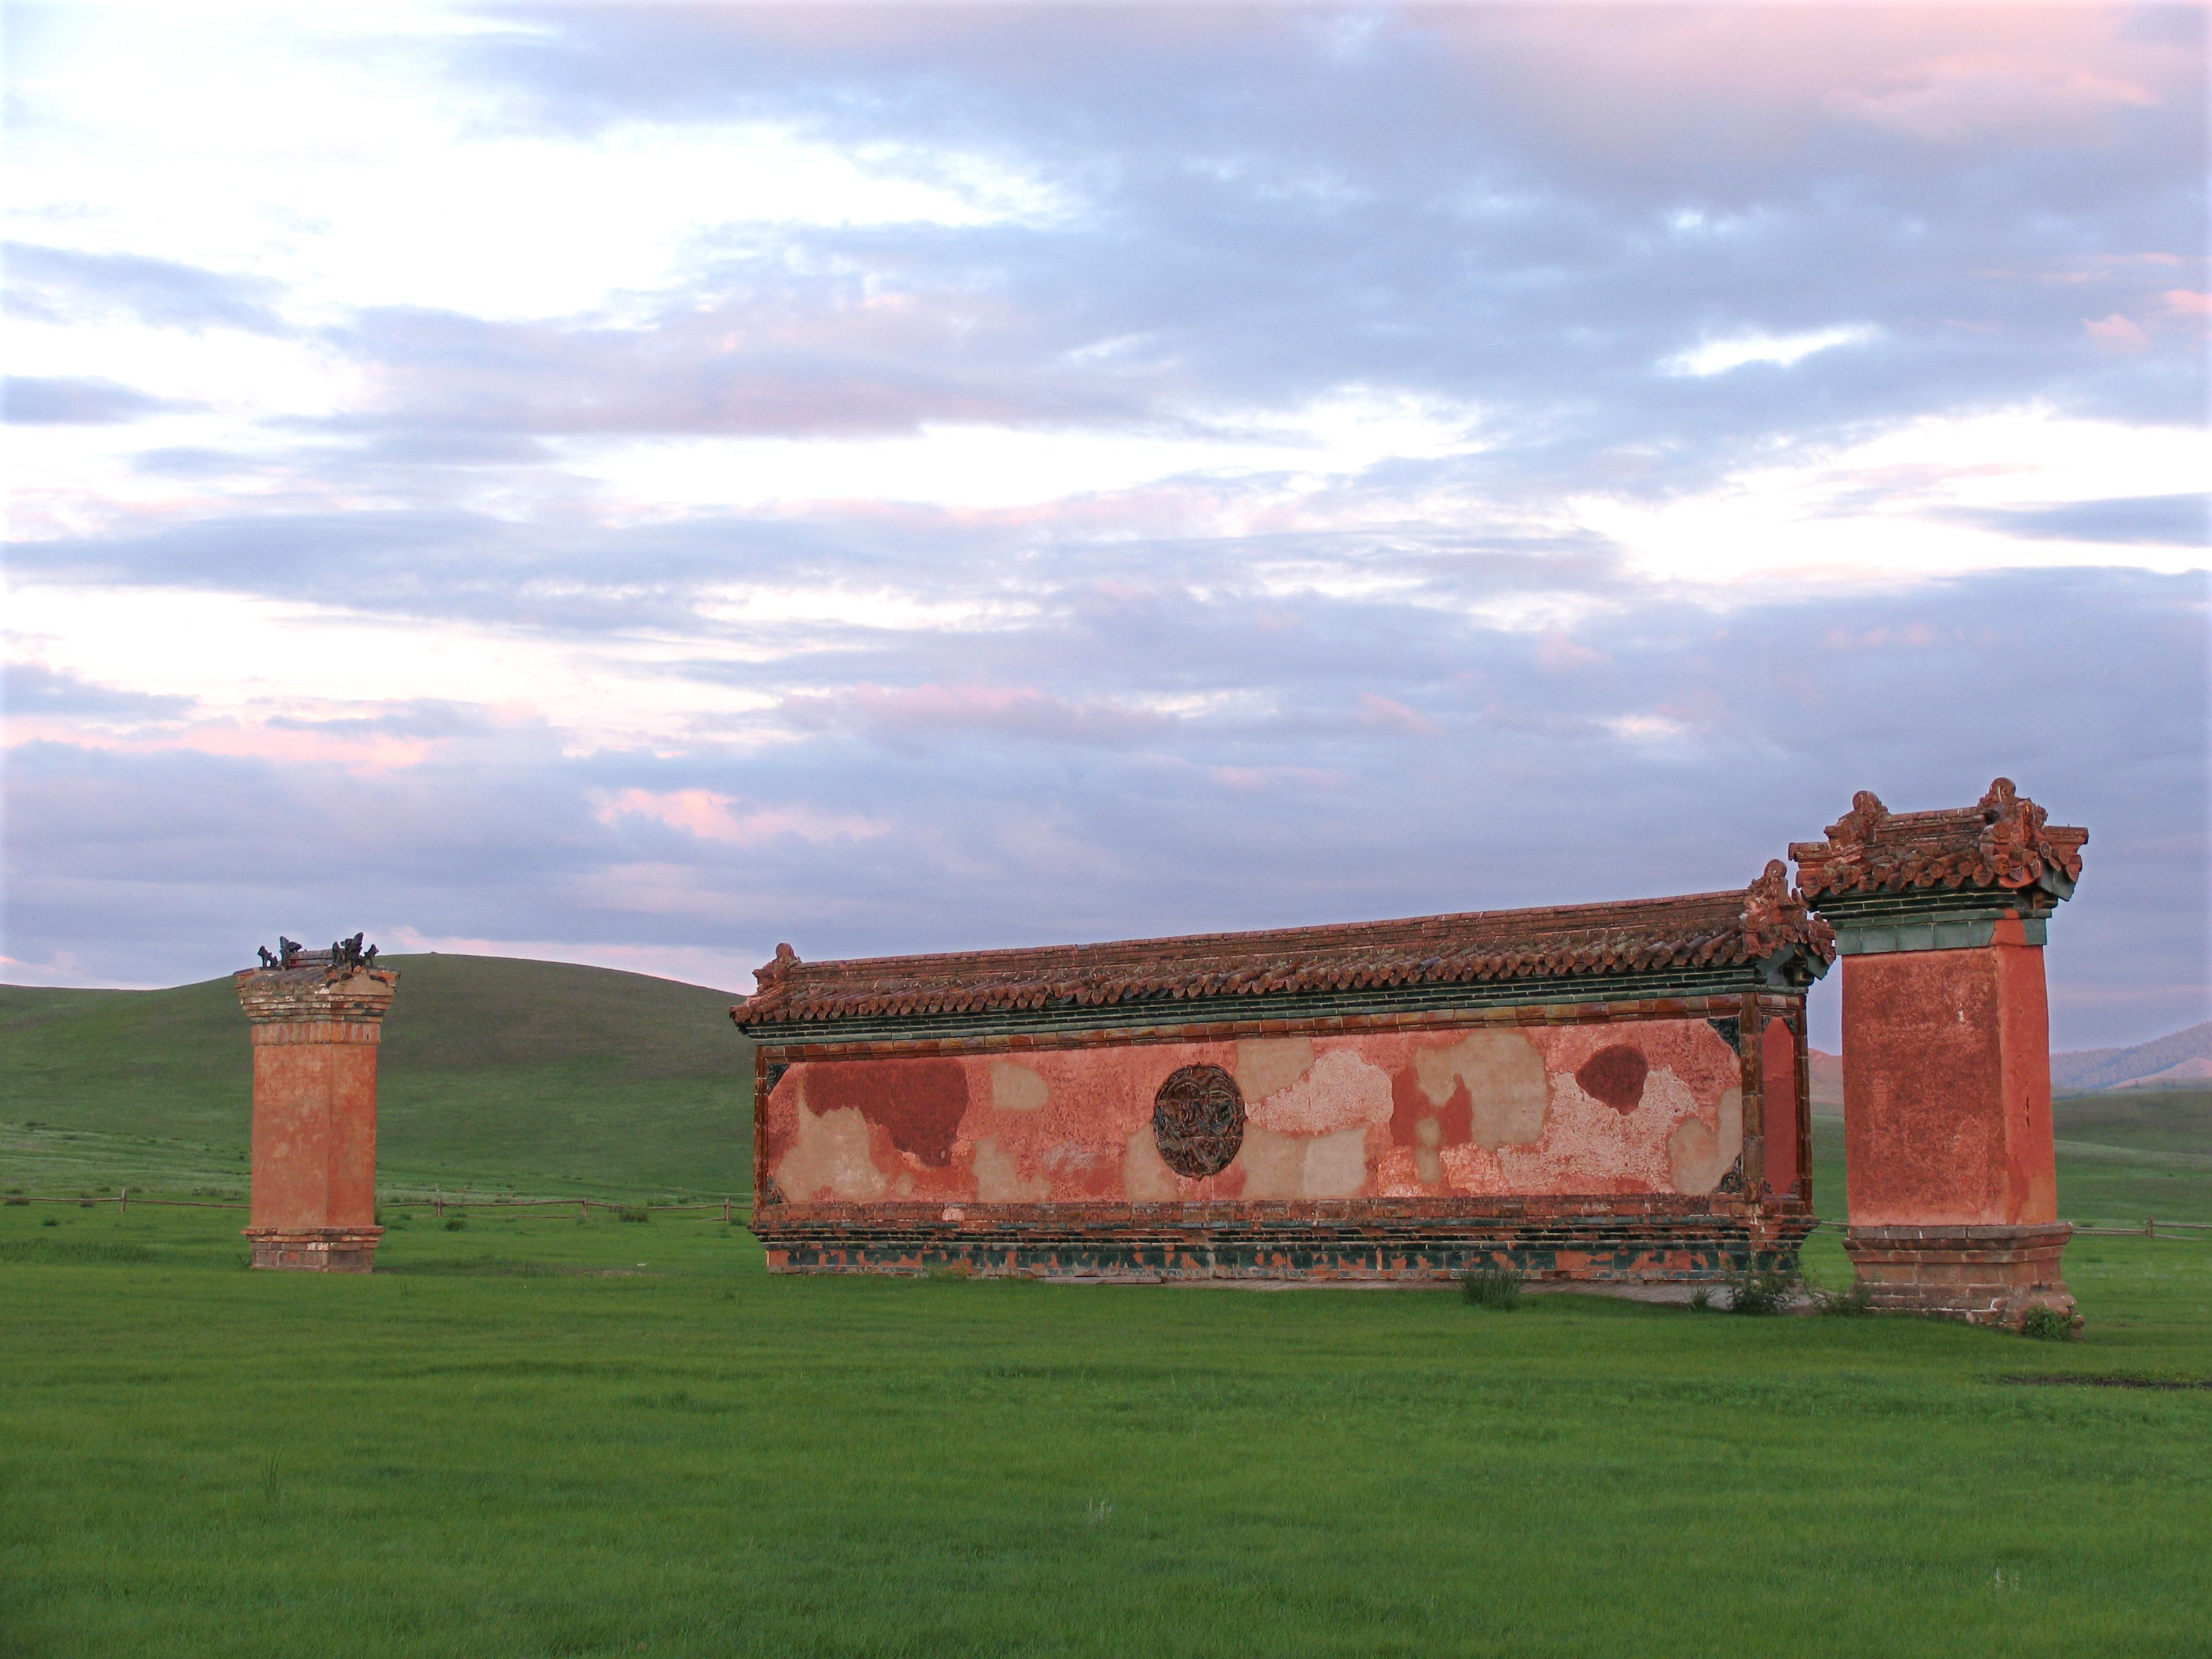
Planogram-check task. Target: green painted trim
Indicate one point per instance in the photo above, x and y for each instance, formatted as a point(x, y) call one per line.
point(1933, 932)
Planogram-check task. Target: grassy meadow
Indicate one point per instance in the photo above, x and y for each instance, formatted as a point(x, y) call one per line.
point(496, 1076)
point(539, 1435)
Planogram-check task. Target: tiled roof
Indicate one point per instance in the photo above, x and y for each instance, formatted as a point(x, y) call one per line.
point(2004, 843)
point(1702, 930)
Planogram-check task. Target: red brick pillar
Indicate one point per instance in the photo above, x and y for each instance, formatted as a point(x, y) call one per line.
point(316, 1019)
point(1939, 918)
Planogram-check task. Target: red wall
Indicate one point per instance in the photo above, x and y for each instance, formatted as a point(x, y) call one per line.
point(1780, 1109)
point(1946, 1086)
point(1623, 1106)
point(314, 1125)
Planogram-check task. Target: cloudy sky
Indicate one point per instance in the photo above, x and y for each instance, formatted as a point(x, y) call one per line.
point(633, 485)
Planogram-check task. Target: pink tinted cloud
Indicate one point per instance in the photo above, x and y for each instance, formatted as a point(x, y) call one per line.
point(1969, 94)
point(1656, 75)
point(358, 752)
point(1015, 711)
point(1388, 715)
point(709, 815)
point(1562, 655)
point(2117, 332)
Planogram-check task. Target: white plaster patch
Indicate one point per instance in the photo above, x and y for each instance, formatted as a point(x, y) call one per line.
point(1017, 1088)
point(1336, 1165)
point(1145, 1178)
point(1507, 1085)
point(1586, 1140)
point(1267, 1065)
point(1475, 1170)
point(830, 1155)
point(1700, 1153)
point(1273, 1164)
point(999, 1178)
point(1342, 1092)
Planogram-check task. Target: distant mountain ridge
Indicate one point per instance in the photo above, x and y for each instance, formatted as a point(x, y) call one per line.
point(2179, 1059)
point(2182, 1057)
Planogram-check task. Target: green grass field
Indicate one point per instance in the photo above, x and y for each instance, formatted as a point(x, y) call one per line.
point(539, 1435)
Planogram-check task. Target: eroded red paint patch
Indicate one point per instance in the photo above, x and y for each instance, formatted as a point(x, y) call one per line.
point(1456, 1117)
point(1615, 1075)
point(918, 1103)
point(1408, 1106)
point(1777, 1063)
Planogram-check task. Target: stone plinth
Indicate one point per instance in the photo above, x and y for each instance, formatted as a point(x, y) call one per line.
point(315, 1030)
point(1940, 918)
point(1983, 1275)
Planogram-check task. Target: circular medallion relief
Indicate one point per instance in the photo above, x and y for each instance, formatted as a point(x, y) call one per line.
point(1198, 1119)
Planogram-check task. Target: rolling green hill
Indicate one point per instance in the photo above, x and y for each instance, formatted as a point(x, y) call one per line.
point(537, 1075)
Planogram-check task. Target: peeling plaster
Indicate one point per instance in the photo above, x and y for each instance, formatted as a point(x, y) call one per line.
point(1342, 1090)
point(1267, 1065)
point(831, 1157)
point(999, 1179)
point(1017, 1088)
point(1505, 1078)
point(1700, 1153)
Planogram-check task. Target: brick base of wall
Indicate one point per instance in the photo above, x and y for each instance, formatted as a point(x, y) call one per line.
point(1983, 1275)
point(315, 1249)
point(1348, 1241)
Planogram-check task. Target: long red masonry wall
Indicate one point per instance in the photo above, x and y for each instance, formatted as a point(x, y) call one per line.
point(1620, 1107)
point(1947, 1081)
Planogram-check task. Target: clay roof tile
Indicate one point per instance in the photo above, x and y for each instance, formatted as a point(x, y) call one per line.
point(1640, 935)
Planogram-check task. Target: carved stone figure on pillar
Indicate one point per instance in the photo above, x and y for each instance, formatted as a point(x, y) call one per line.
point(1941, 919)
point(316, 1018)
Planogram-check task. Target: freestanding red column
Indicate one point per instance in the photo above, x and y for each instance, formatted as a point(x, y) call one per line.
point(1939, 918)
point(316, 1018)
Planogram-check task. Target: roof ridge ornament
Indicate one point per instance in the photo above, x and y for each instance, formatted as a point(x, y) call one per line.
point(1774, 916)
point(2005, 840)
point(345, 956)
point(2013, 839)
point(1858, 827)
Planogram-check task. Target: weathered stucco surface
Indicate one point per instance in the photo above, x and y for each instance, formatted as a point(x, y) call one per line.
point(314, 1134)
point(1946, 1087)
point(1617, 1108)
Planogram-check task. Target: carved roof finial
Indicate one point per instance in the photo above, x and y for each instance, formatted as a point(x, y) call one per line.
point(1857, 827)
point(1774, 916)
point(2003, 840)
point(771, 977)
